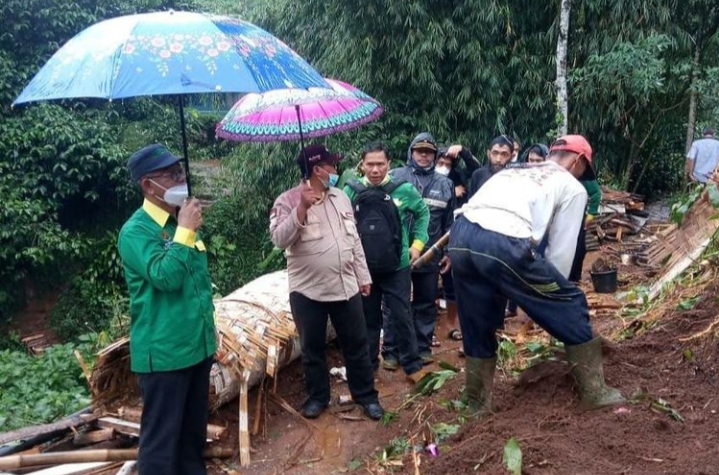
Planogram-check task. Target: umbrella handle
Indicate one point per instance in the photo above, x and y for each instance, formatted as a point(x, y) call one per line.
point(181, 101)
point(302, 144)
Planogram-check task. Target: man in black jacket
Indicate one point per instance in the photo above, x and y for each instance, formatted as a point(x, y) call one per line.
point(437, 192)
point(499, 153)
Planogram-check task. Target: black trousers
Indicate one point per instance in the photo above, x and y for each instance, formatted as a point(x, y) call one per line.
point(173, 428)
point(310, 316)
point(425, 287)
point(575, 275)
point(394, 287)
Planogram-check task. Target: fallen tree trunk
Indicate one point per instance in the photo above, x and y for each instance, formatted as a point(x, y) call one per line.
point(86, 456)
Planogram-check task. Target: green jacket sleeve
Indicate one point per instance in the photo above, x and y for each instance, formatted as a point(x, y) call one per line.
point(419, 210)
point(595, 196)
point(162, 264)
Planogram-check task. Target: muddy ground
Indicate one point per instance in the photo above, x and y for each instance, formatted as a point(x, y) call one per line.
point(678, 434)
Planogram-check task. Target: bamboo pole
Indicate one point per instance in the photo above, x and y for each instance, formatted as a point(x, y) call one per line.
point(84, 456)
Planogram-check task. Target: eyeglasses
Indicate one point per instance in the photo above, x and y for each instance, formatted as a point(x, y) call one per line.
point(176, 175)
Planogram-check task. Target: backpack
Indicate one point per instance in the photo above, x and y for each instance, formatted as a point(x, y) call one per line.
point(378, 224)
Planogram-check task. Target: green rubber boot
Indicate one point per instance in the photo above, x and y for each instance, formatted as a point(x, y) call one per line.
point(586, 360)
point(480, 377)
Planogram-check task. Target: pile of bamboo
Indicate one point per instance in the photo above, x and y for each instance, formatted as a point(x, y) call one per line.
point(256, 337)
point(87, 444)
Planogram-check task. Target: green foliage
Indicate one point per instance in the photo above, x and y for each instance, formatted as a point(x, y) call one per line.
point(96, 298)
point(443, 431)
point(684, 202)
point(40, 389)
point(512, 457)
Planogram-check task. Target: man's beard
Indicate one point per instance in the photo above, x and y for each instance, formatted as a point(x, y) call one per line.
point(496, 167)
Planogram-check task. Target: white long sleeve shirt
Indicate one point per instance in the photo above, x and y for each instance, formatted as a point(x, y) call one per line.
point(529, 201)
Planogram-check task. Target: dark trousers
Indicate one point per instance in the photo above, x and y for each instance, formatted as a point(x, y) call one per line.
point(347, 318)
point(394, 287)
point(489, 268)
point(173, 428)
point(575, 275)
point(425, 287)
point(511, 306)
point(448, 286)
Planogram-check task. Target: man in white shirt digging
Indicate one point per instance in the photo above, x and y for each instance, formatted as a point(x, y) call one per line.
point(492, 249)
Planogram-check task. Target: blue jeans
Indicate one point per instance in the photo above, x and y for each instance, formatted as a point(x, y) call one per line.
point(489, 268)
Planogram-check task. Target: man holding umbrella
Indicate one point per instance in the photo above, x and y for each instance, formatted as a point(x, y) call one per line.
point(172, 332)
point(328, 275)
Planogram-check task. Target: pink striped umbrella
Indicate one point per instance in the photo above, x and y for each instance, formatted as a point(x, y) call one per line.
point(293, 114)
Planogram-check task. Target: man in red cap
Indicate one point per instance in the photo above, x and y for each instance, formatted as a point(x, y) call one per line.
point(492, 249)
point(328, 276)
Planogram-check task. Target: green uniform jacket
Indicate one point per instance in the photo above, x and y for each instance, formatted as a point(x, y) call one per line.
point(408, 200)
point(595, 196)
point(171, 305)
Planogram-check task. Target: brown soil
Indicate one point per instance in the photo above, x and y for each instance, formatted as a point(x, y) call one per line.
point(539, 409)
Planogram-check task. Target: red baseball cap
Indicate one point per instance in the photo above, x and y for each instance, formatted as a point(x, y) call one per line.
point(577, 144)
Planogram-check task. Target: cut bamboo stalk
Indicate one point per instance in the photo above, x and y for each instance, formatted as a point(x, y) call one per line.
point(85, 456)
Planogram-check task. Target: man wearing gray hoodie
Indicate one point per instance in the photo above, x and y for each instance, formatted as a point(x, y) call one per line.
point(438, 193)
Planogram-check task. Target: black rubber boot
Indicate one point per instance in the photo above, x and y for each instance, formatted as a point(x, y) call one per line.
point(480, 378)
point(586, 360)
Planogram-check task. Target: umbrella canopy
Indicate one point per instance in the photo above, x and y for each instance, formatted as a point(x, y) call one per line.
point(293, 114)
point(169, 53)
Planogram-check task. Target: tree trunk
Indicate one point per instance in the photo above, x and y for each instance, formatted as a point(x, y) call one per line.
point(561, 83)
point(692, 119)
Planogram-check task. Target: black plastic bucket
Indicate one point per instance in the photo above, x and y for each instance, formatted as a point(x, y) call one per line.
point(604, 282)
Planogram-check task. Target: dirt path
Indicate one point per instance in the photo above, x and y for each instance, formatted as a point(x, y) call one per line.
point(555, 438)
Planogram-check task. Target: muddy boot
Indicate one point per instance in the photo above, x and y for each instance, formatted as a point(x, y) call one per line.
point(480, 377)
point(587, 371)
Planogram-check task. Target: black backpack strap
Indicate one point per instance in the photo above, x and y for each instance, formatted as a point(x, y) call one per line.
point(392, 185)
point(356, 186)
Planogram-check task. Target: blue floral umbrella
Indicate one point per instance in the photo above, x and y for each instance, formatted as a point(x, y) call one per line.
point(169, 53)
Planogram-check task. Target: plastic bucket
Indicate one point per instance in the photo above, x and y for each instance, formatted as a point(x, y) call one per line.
point(604, 282)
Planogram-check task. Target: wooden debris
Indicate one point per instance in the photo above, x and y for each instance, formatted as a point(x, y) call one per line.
point(93, 437)
point(75, 420)
point(83, 456)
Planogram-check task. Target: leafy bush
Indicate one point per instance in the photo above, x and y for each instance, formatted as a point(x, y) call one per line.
point(96, 297)
point(39, 389)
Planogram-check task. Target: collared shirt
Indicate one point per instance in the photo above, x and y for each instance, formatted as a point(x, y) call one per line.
point(705, 153)
point(529, 201)
point(171, 307)
point(325, 259)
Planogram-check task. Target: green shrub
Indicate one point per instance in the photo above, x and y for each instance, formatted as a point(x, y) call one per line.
point(40, 389)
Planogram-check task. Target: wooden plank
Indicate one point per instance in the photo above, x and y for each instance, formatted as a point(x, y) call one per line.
point(122, 426)
point(127, 468)
point(71, 469)
point(134, 414)
point(93, 437)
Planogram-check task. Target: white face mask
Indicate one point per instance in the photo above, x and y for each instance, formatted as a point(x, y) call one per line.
point(444, 171)
point(175, 195)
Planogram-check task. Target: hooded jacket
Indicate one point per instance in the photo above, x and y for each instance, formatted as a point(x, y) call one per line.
point(436, 190)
